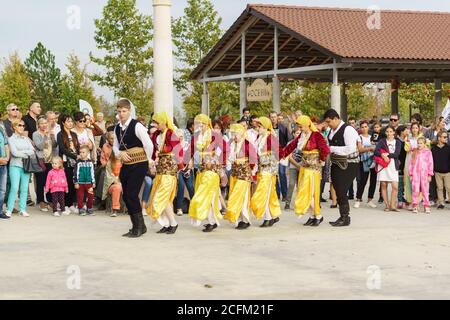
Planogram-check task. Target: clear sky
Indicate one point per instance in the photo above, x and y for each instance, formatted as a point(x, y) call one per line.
point(23, 23)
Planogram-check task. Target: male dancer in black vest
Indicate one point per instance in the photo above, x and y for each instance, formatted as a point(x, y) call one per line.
point(345, 162)
point(132, 145)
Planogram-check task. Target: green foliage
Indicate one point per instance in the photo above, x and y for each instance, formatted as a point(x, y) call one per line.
point(194, 34)
point(126, 37)
point(45, 76)
point(76, 85)
point(15, 84)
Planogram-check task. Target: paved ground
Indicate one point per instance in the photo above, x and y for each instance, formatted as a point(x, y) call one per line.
point(41, 255)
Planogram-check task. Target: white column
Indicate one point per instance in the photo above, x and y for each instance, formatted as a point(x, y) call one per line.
point(336, 92)
point(205, 99)
point(276, 97)
point(162, 57)
point(242, 83)
point(242, 96)
point(438, 98)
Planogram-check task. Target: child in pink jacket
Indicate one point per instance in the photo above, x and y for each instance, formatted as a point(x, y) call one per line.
point(57, 185)
point(421, 171)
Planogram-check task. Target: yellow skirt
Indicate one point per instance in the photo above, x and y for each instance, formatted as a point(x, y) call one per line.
point(266, 195)
point(163, 193)
point(207, 190)
point(308, 191)
point(239, 189)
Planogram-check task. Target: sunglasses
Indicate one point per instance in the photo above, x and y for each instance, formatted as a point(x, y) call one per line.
point(21, 125)
point(14, 109)
point(445, 137)
point(82, 121)
point(394, 120)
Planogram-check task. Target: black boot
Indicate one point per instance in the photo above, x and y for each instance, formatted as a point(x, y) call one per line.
point(310, 222)
point(140, 226)
point(317, 222)
point(344, 222)
point(266, 224)
point(133, 228)
point(276, 220)
point(163, 230)
point(241, 225)
point(172, 230)
point(210, 227)
point(336, 222)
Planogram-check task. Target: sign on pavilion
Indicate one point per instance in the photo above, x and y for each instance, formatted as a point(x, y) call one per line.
point(259, 91)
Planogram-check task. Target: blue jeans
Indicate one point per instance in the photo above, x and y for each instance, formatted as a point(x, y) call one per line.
point(282, 181)
point(19, 178)
point(189, 182)
point(401, 189)
point(3, 181)
point(147, 189)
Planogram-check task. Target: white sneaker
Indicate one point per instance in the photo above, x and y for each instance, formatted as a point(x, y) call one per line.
point(8, 214)
point(179, 212)
point(371, 204)
point(44, 209)
point(66, 212)
point(56, 214)
point(357, 204)
point(113, 215)
point(144, 212)
point(73, 209)
point(24, 214)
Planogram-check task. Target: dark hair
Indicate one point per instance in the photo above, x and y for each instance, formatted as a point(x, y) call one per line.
point(253, 117)
point(273, 112)
point(217, 122)
point(400, 130)
point(246, 109)
point(331, 114)
point(77, 116)
point(440, 133)
point(65, 137)
point(189, 123)
point(415, 124)
point(417, 117)
point(352, 119)
point(390, 127)
point(314, 119)
point(362, 122)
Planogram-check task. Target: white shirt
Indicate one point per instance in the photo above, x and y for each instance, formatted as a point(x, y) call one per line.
point(142, 135)
point(351, 138)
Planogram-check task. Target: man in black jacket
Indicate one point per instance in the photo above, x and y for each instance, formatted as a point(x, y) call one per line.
point(441, 159)
point(283, 137)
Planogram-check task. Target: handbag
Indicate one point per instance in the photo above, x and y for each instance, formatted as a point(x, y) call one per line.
point(33, 164)
point(381, 164)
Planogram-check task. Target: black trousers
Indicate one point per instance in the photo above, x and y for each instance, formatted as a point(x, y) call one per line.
point(342, 179)
point(71, 197)
point(132, 177)
point(41, 179)
point(362, 181)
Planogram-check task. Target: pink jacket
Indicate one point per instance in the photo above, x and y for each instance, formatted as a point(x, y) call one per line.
point(423, 165)
point(56, 181)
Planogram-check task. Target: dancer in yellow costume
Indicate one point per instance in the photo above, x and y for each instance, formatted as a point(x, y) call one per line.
point(168, 155)
point(205, 203)
point(264, 202)
point(314, 151)
point(243, 158)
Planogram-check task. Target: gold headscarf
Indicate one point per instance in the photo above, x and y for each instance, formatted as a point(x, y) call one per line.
point(163, 117)
point(237, 128)
point(266, 123)
point(306, 121)
point(203, 118)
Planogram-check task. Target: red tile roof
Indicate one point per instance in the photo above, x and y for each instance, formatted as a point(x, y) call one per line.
point(404, 35)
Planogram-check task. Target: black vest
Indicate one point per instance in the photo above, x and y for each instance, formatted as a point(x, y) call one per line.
point(127, 138)
point(338, 138)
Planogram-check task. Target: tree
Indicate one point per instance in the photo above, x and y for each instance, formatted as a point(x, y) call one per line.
point(76, 85)
point(45, 76)
point(126, 36)
point(15, 84)
point(194, 34)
